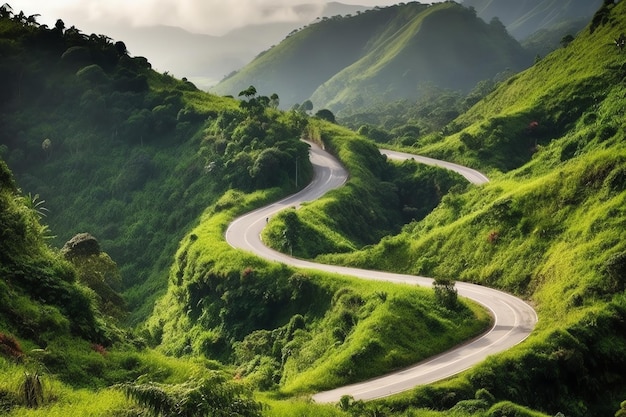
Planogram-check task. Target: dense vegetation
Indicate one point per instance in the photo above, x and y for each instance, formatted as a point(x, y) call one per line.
point(135, 166)
point(126, 154)
point(550, 227)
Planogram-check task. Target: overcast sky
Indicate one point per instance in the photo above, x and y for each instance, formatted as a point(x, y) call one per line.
point(213, 17)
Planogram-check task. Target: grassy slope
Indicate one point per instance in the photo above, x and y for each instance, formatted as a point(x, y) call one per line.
point(552, 230)
point(331, 345)
point(304, 60)
point(420, 53)
point(555, 93)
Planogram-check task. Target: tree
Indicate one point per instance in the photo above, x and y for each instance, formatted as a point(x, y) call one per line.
point(274, 101)
point(307, 106)
point(566, 40)
point(120, 47)
point(445, 293)
point(498, 25)
point(326, 114)
point(290, 233)
point(59, 25)
point(248, 92)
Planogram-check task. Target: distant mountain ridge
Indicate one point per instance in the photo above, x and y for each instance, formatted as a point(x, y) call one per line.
point(206, 59)
point(385, 53)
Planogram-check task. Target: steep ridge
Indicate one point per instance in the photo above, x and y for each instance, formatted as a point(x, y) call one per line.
point(513, 318)
point(445, 45)
point(385, 53)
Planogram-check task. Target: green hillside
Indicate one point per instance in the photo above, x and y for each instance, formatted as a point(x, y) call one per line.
point(444, 45)
point(156, 169)
point(127, 154)
point(550, 227)
point(101, 143)
point(309, 57)
point(385, 52)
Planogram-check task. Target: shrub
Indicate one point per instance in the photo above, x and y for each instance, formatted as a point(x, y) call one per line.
point(31, 390)
point(445, 293)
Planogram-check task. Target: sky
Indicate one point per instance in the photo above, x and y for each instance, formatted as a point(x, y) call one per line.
point(212, 17)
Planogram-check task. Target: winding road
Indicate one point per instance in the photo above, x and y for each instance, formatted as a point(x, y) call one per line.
point(513, 318)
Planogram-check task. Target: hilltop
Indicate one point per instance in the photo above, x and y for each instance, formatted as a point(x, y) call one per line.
point(388, 52)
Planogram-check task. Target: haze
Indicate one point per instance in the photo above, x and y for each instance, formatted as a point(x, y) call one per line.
point(212, 17)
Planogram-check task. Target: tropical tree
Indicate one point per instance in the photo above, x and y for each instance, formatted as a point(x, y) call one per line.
point(248, 92)
point(307, 106)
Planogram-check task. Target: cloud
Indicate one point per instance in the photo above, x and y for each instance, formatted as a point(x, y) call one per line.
point(214, 17)
point(201, 16)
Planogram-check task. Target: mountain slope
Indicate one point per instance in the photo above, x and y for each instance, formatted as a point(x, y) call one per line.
point(388, 52)
point(421, 53)
point(206, 59)
point(307, 58)
point(525, 17)
point(125, 153)
point(552, 228)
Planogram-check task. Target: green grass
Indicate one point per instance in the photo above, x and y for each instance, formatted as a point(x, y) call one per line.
point(338, 315)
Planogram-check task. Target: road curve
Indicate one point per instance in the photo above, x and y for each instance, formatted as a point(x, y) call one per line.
point(513, 318)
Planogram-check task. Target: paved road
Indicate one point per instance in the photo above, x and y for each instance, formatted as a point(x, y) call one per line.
point(513, 318)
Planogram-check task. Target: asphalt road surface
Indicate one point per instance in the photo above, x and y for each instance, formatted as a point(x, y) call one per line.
point(513, 318)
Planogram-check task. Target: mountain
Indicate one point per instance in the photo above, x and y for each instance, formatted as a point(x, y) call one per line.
point(550, 226)
point(388, 52)
point(206, 59)
point(159, 168)
point(524, 17)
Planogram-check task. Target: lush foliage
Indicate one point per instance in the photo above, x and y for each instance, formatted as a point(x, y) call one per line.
point(289, 330)
point(377, 200)
point(127, 154)
point(551, 230)
point(549, 227)
point(210, 396)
